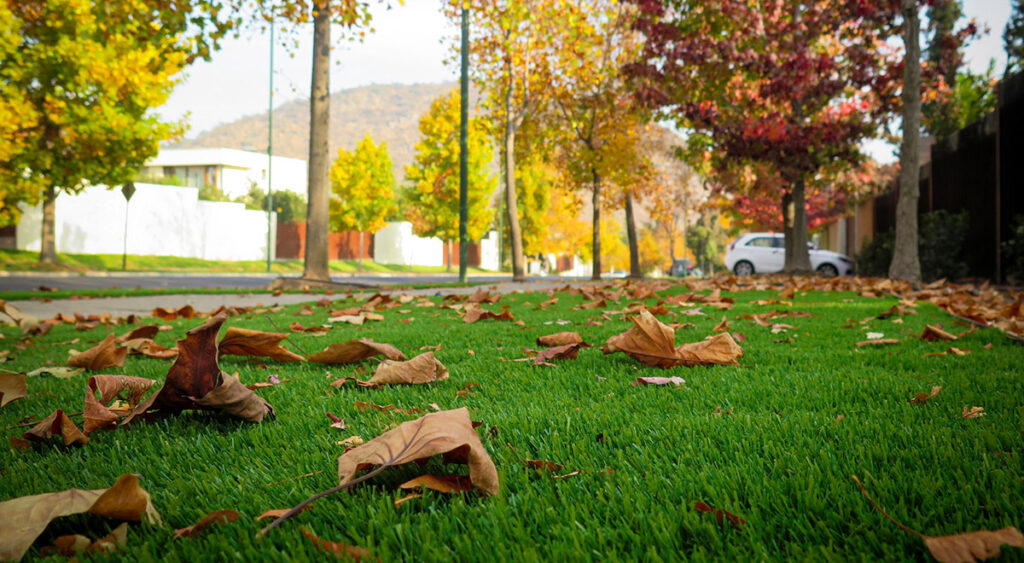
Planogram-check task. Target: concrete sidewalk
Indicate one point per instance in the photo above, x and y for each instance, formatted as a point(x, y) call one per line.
point(143, 306)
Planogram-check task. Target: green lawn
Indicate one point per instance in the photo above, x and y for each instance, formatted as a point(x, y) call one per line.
point(28, 261)
point(777, 453)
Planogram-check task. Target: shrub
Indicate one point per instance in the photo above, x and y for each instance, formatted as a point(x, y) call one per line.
point(940, 244)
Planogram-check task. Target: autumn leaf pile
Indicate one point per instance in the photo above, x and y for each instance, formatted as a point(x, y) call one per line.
point(435, 406)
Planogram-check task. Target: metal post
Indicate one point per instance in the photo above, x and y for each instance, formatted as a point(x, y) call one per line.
point(270, 147)
point(463, 150)
point(124, 257)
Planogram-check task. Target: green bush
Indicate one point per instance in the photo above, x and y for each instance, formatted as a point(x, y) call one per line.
point(1013, 251)
point(941, 236)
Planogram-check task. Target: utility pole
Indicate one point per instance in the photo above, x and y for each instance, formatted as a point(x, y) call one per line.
point(270, 146)
point(463, 149)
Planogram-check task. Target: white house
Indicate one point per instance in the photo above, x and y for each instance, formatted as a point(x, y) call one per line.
point(231, 170)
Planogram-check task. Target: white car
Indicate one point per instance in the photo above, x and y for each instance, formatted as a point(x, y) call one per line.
point(765, 253)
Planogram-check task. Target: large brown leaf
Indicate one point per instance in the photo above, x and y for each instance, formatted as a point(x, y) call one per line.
point(652, 343)
point(356, 351)
point(424, 368)
point(245, 342)
point(234, 398)
point(559, 339)
point(475, 314)
point(57, 424)
point(448, 433)
point(27, 323)
point(145, 331)
point(12, 387)
point(566, 352)
point(25, 518)
point(96, 411)
point(104, 355)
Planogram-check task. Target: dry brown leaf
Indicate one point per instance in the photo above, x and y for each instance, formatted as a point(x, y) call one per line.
point(659, 381)
point(58, 372)
point(104, 355)
point(652, 343)
point(448, 433)
point(878, 342)
point(424, 368)
point(245, 342)
point(342, 381)
point(145, 331)
point(297, 327)
point(722, 326)
point(719, 349)
point(277, 512)
point(355, 351)
point(404, 499)
point(974, 412)
point(932, 332)
point(566, 352)
point(27, 323)
point(57, 424)
point(481, 296)
point(234, 398)
point(443, 483)
point(559, 339)
point(75, 544)
point(337, 549)
point(721, 515)
point(357, 320)
point(543, 464)
point(12, 387)
point(225, 516)
point(922, 398)
point(148, 348)
point(25, 518)
point(352, 441)
point(96, 412)
point(185, 312)
point(475, 314)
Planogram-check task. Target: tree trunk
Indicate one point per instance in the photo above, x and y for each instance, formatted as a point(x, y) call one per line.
point(316, 267)
point(634, 247)
point(906, 265)
point(515, 237)
point(48, 242)
point(596, 243)
point(670, 229)
point(359, 264)
point(794, 212)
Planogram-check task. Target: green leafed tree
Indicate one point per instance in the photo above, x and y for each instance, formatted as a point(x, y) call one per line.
point(1013, 38)
point(362, 190)
point(432, 181)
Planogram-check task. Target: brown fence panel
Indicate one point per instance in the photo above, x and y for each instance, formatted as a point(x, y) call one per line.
point(291, 243)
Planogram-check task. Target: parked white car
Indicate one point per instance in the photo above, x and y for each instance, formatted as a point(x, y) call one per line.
point(765, 253)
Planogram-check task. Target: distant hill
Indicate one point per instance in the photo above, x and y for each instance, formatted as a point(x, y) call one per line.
point(389, 112)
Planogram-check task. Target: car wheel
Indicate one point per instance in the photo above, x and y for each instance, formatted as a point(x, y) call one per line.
point(828, 270)
point(743, 268)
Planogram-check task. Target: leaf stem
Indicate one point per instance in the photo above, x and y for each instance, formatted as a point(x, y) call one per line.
point(894, 521)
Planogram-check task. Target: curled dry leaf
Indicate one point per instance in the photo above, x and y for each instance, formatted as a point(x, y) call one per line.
point(145, 331)
point(12, 387)
point(185, 312)
point(922, 398)
point(566, 352)
point(57, 424)
point(878, 342)
point(543, 464)
point(659, 381)
point(148, 348)
point(722, 326)
point(721, 515)
point(482, 296)
point(297, 327)
point(560, 339)
point(215, 517)
point(356, 351)
point(58, 372)
point(424, 368)
point(442, 484)
point(25, 518)
point(652, 343)
point(96, 412)
point(245, 342)
point(932, 332)
point(69, 546)
point(337, 549)
point(104, 355)
point(234, 398)
point(406, 498)
point(974, 412)
point(474, 314)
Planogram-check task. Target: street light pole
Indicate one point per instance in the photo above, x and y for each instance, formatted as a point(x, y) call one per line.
point(270, 146)
point(463, 149)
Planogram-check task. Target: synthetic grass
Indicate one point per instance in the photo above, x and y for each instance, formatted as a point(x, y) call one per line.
point(776, 455)
point(25, 260)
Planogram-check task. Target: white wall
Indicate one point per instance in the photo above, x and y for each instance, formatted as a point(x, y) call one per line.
point(395, 244)
point(489, 251)
point(237, 169)
point(162, 221)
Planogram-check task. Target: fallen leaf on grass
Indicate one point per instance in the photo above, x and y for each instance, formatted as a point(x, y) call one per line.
point(185, 312)
point(58, 372)
point(337, 549)
point(352, 441)
point(659, 381)
point(96, 412)
point(104, 355)
point(424, 368)
point(277, 512)
point(442, 484)
point(721, 515)
point(57, 424)
point(932, 332)
point(245, 342)
point(951, 351)
point(297, 327)
point(560, 339)
point(974, 412)
point(355, 351)
point(342, 381)
point(652, 343)
point(26, 517)
point(71, 545)
point(12, 387)
point(357, 320)
point(145, 331)
point(404, 499)
point(722, 326)
point(567, 352)
point(336, 422)
point(475, 314)
point(482, 296)
point(150, 349)
point(922, 398)
point(958, 548)
point(27, 323)
point(216, 517)
point(878, 342)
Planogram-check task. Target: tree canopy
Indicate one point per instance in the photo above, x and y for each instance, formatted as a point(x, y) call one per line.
point(362, 188)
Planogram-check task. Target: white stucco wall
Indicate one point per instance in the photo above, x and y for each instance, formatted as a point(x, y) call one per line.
point(395, 244)
point(162, 221)
point(489, 251)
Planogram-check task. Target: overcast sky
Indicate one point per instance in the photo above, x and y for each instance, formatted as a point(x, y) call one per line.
point(407, 47)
